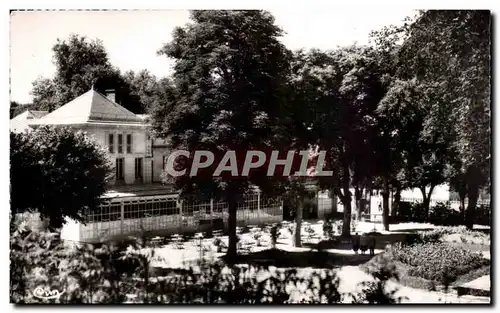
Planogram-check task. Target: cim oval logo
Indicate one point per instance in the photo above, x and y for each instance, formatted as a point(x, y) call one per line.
point(46, 293)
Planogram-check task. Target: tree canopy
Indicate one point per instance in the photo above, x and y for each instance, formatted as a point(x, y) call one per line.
point(410, 111)
point(57, 172)
point(82, 63)
point(229, 74)
point(447, 55)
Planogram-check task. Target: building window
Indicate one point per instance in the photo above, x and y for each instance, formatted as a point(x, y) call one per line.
point(111, 143)
point(120, 143)
point(138, 168)
point(129, 143)
point(119, 169)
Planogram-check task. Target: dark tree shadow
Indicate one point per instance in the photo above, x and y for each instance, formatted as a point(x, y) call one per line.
point(486, 231)
point(345, 243)
point(414, 230)
point(316, 259)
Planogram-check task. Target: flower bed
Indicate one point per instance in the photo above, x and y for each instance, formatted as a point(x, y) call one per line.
point(437, 261)
point(454, 234)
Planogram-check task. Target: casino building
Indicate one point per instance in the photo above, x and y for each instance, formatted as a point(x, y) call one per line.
point(136, 200)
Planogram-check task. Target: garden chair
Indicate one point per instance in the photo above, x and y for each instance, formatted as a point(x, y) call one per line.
point(157, 241)
point(177, 240)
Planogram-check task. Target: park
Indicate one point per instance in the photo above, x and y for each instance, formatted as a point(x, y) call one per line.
point(257, 173)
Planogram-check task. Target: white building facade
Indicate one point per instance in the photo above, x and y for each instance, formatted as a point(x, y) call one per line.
point(122, 133)
point(137, 202)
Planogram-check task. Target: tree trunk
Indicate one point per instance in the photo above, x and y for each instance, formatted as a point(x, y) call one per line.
point(473, 195)
point(298, 223)
point(426, 205)
point(462, 208)
point(346, 201)
point(369, 199)
point(233, 239)
point(462, 205)
point(358, 193)
point(427, 199)
point(395, 204)
point(334, 200)
point(346, 222)
point(385, 206)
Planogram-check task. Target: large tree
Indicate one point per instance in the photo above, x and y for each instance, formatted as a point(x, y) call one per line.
point(344, 87)
point(82, 63)
point(387, 144)
point(57, 172)
point(144, 88)
point(450, 50)
point(18, 108)
point(14, 108)
point(420, 150)
point(229, 75)
point(44, 94)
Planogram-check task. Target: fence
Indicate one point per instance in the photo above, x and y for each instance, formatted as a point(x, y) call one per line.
point(325, 203)
point(453, 204)
point(169, 214)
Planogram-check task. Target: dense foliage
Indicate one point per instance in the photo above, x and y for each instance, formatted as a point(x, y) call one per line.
point(448, 53)
point(442, 234)
point(411, 111)
point(57, 172)
point(123, 273)
point(230, 75)
point(441, 214)
point(82, 64)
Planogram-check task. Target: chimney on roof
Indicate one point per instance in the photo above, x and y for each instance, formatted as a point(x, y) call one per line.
point(111, 94)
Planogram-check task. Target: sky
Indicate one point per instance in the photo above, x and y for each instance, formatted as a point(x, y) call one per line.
point(132, 38)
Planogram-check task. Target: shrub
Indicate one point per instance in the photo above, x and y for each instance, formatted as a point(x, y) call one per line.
point(67, 171)
point(332, 228)
point(482, 215)
point(88, 275)
point(376, 292)
point(428, 236)
point(404, 212)
point(83, 274)
point(443, 214)
point(438, 234)
point(411, 212)
point(418, 213)
point(437, 261)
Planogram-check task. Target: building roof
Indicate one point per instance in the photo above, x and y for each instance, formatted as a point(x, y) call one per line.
point(91, 107)
point(38, 114)
point(22, 121)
